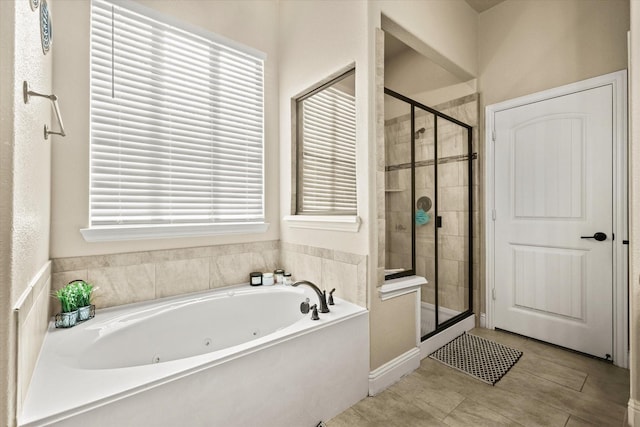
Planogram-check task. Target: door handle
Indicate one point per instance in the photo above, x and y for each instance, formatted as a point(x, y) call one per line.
point(599, 236)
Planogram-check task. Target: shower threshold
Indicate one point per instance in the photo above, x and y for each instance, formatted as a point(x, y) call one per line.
point(447, 332)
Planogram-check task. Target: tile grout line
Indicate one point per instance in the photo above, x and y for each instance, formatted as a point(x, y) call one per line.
point(584, 382)
point(535, 374)
point(454, 408)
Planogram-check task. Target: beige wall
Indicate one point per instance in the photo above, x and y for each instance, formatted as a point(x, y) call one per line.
point(525, 46)
point(318, 39)
point(634, 212)
point(392, 327)
point(31, 152)
point(444, 31)
point(7, 326)
point(253, 23)
point(410, 73)
point(25, 181)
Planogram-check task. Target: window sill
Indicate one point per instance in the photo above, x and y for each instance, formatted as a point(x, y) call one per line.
point(349, 223)
point(115, 233)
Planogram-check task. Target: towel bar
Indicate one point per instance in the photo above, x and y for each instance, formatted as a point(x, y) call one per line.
point(54, 100)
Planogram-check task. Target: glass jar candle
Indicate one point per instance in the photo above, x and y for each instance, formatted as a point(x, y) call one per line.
point(255, 278)
point(267, 279)
point(278, 276)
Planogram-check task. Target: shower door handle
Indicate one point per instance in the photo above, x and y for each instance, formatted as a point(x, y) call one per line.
point(599, 236)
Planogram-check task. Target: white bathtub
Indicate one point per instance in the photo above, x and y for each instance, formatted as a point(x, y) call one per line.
point(241, 356)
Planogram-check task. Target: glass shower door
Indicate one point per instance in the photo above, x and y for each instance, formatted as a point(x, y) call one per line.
point(452, 181)
point(424, 219)
point(428, 229)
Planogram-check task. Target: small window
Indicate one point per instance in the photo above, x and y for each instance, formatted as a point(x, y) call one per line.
point(176, 123)
point(326, 149)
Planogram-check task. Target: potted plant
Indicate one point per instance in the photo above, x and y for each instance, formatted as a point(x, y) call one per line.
point(68, 302)
point(83, 291)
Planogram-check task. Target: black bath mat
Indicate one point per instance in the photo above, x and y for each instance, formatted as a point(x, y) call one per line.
point(483, 359)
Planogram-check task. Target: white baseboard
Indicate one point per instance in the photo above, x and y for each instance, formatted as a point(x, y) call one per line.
point(483, 320)
point(392, 371)
point(633, 412)
point(435, 342)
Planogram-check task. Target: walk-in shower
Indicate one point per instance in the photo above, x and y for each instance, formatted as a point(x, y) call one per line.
point(429, 206)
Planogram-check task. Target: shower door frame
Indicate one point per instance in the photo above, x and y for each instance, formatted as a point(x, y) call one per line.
point(470, 156)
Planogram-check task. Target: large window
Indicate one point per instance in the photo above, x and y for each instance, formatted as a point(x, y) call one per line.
point(326, 149)
point(176, 126)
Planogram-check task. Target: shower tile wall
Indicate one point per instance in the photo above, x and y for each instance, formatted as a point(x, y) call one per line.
point(398, 193)
point(453, 185)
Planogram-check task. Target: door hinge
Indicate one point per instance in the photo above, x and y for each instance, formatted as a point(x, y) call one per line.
point(493, 135)
point(493, 214)
point(493, 294)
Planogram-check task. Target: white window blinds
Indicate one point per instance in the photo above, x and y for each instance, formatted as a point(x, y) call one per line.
point(176, 123)
point(327, 175)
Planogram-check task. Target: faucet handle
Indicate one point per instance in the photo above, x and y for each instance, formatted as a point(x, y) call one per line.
point(304, 306)
point(331, 297)
point(314, 312)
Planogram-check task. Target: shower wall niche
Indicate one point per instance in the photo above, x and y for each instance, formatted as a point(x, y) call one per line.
point(429, 203)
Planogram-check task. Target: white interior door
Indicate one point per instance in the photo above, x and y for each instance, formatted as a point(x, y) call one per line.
point(553, 185)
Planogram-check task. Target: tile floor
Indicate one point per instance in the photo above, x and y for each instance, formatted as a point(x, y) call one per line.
point(547, 387)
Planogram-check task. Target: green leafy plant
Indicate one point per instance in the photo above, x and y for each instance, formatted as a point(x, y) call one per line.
point(83, 291)
point(75, 294)
point(67, 298)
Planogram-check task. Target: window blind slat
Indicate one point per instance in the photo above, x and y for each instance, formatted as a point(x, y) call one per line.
point(328, 154)
point(176, 124)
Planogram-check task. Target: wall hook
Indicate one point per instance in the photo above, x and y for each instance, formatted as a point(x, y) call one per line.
point(26, 93)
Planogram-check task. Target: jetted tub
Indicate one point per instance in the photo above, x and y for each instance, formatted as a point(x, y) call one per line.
point(240, 356)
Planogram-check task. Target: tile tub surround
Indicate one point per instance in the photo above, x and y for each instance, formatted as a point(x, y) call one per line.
point(328, 269)
point(453, 187)
point(141, 276)
point(31, 314)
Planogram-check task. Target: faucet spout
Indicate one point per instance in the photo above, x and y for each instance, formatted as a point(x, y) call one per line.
point(322, 295)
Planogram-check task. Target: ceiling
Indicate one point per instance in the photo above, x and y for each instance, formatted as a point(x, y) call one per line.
point(393, 47)
point(410, 73)
point(482, 5)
